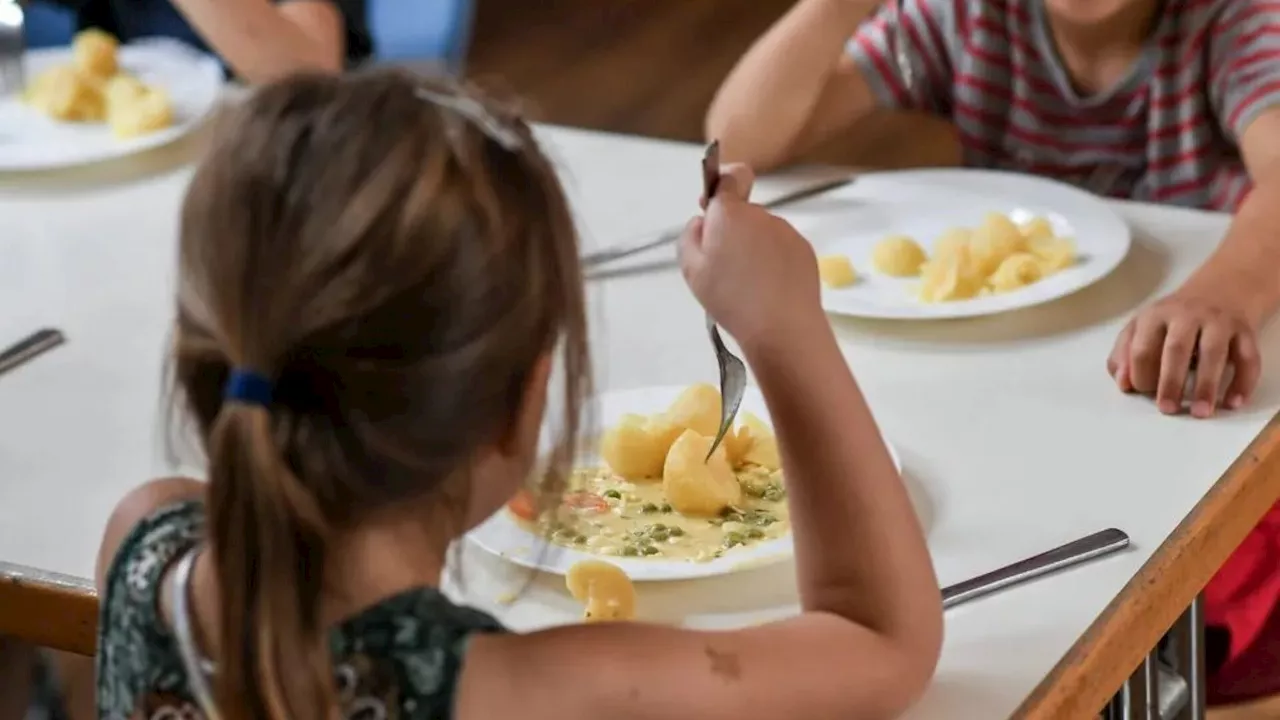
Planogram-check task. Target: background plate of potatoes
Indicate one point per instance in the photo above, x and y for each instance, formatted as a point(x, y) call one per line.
point(98, 100)
point(504, 536)
point(930, 244)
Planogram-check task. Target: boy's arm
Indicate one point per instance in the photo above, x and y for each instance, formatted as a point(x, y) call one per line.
point(1215, 316)
point(262, 41)
point(1245, 268)
point(823, 66)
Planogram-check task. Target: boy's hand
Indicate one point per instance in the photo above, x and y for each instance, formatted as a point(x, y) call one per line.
point(1182, 333)
point(751, 270)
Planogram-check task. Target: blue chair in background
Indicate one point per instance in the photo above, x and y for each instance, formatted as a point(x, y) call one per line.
point(416, 30)
point(48, 25)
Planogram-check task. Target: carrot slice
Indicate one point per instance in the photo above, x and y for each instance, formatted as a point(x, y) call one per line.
point(524, 505)
point(586, 501)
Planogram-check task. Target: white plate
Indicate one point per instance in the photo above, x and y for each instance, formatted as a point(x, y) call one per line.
point(30, 140)
point(504, 537)
point(922, 204)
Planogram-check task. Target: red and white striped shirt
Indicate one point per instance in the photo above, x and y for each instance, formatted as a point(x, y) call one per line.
point(1168, 132)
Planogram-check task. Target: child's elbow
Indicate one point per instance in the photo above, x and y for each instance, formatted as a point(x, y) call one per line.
point(921, 651)
point(741, 141)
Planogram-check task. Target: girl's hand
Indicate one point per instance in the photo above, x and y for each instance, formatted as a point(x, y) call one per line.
point(751, 270)
point(736, 179)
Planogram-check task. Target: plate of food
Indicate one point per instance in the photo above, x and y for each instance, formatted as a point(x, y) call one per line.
point(97, 100)
point(958, 243)
point(649, 500)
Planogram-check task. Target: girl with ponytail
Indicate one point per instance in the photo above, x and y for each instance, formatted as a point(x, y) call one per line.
point(376, 274)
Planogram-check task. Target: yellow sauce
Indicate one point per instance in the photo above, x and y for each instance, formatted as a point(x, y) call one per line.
point(606, 515)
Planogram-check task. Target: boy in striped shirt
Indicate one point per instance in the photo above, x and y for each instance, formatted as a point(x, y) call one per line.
point(1169, 101)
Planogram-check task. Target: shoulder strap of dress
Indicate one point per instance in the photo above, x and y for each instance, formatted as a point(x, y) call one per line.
point(198, 669)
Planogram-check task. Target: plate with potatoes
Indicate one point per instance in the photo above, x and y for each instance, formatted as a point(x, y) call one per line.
point(958, 243)
point(98, 100)
point(648, 498)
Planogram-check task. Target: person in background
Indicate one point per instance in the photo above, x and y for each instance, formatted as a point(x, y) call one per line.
point(1168, 101)
point(376, 276)
point(258, 40)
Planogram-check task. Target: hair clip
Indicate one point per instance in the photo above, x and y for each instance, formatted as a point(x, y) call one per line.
point(476, 113)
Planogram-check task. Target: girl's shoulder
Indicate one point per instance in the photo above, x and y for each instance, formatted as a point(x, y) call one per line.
point(403, 654)
point(136, 656)
point(406, 651)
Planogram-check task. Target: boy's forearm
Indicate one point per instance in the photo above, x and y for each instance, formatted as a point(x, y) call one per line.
point(257, 40)
point(1244, 270)
point(767, 99)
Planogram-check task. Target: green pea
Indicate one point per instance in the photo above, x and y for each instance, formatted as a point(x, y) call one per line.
point(651, 550)
point(613, 494)
point(657, 526)
point(580, 540)
point(630, 551)
point(649, 508)
point(666, 507)
point(755, 533)
point(676, 531)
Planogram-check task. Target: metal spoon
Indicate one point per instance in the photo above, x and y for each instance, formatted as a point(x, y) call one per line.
point(593, 260)
point(1096, 545)
point(733, 373)
point(29, 348)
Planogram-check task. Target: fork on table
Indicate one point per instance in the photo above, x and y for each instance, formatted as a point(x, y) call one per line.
point(12, 46)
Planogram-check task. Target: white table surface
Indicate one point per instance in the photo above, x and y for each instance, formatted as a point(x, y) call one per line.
point(1013, 437)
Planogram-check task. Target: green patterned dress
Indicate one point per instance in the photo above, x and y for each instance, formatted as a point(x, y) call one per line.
point(399, 658)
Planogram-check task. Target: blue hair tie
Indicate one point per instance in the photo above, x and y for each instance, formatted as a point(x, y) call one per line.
point(248, 387)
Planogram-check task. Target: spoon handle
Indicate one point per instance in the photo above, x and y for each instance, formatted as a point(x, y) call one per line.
point(1073, 553)
point(29, 348)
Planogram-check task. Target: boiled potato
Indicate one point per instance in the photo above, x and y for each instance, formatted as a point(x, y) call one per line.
point(632, 450)
point(994, 240)
point(763, 448)
point(91, 89)
point(63, 94)
point(1054, 253)
point(696, 409)
point(94, 53)
point(604, 588)
point(695, 484)
point(664, 432)
point(122, 89)
point(897, 256)
point(950, 278)
point(836, 271)
point(1037, 228)
point(141, 114)
point(951, 241)
point(1017, 271)
point(736, 444)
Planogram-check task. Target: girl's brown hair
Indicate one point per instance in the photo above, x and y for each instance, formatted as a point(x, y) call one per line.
point(395, 255)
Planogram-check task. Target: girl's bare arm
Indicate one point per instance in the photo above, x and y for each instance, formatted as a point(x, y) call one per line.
point(866, 643)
